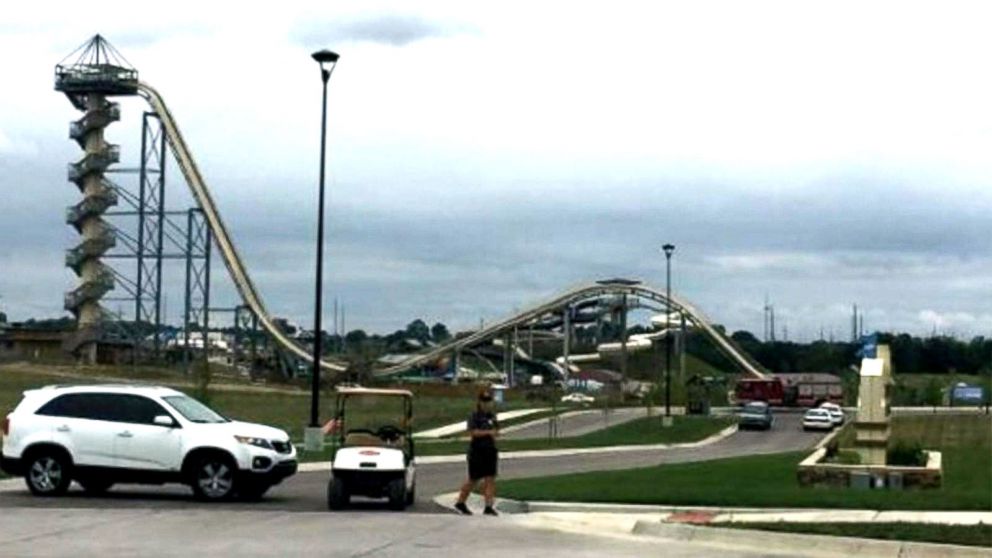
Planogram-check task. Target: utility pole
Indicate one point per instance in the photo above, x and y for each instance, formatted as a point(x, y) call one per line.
point(854, 324)
point(771, 321)
point(344, 331)
point(668, 249)
point(337, 332)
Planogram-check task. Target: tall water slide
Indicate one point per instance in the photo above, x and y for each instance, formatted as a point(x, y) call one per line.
point(235, 266)
point(584, 292)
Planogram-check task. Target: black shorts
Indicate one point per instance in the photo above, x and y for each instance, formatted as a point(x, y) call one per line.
point(482, 462)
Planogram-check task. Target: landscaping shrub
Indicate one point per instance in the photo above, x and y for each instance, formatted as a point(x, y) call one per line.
point(908, 454)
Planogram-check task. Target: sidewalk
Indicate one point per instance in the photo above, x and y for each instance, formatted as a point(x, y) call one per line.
point(705, 514)
point(669, 523)
point(458, 427)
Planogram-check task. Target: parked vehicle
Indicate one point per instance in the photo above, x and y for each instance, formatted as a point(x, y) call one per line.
point(817, 419)
point(836, 413)
point(769, 390)
point(580, 398)
point(756, 414)
point(99, 436)
point(790, 390)
point(374, 455)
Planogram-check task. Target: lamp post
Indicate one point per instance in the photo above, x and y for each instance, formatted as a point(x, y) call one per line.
point(322, 57)
point(668, 249)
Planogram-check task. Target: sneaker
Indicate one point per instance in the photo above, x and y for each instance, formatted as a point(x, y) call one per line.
point(461, 507)
point(489, 511)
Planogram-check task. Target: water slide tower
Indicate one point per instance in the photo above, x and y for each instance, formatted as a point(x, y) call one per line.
point(88, 76)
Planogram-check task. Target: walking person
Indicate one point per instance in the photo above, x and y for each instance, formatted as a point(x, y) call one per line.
point(482, 454)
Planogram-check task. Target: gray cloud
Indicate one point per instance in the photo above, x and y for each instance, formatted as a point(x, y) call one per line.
point(395, 30)
point(456, 259)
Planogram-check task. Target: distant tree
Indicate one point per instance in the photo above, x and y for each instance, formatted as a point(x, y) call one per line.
point(355, 338)
point(440, 333)
point(933, 395)
point(418, 330)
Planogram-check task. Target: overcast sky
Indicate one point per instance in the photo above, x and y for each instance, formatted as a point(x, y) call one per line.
point(484, 156)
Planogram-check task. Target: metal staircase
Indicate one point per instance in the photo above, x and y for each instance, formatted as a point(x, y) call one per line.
point(97, 71)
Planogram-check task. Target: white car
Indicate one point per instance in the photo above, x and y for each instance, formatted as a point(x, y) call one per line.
point(817, 419)
point(99, 436)
point(836, 413)
point(578, 398)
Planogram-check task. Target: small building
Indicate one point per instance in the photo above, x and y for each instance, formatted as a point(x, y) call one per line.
point(24, 342)
point(35, 344)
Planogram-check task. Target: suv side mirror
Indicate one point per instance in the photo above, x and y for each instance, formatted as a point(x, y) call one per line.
point(164, 420)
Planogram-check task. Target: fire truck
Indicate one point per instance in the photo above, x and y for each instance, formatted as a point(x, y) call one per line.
point(801, 389)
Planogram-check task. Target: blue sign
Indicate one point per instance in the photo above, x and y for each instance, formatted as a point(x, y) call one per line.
point(963, 393)
point(869, 346)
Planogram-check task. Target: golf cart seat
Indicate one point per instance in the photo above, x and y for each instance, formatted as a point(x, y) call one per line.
point(365, 439)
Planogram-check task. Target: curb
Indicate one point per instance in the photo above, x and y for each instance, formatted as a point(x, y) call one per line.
point(829, 437)
point(738, 514)
point(770, 542)
point(528, 454)
point(805, 544)
point(12, 485)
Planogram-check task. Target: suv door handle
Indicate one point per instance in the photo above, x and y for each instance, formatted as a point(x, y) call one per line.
point(125, 434)
point(63, 428)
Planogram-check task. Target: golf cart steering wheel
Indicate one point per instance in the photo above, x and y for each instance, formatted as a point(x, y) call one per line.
point(389, 433)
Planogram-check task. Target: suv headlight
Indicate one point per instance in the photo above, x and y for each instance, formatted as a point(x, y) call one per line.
point(252, 441)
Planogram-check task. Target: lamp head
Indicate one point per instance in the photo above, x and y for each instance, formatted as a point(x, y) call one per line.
point(668, 248)
point(325, 55)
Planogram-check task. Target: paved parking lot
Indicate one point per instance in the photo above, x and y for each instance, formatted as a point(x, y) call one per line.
point(293, 519)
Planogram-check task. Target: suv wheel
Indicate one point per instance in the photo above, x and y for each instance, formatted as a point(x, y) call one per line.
point(48, 473)
point(213, 478)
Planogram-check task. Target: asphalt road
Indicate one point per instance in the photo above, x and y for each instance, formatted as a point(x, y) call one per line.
point(305, 492)
point(579, 423)
point(292, 520)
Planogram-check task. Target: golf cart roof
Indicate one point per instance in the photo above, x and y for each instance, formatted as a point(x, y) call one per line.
point(374, 391)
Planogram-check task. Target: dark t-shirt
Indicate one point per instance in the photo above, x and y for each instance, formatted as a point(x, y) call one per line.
point(482, 420)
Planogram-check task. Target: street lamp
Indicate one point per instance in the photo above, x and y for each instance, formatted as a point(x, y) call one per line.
point(668, 249)
point(322, 57)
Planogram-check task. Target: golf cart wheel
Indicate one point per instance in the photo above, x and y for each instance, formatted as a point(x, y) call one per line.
point(411, 496)
point(49, 473)
point(213, 478)
point(337, 495)
point(397, 494)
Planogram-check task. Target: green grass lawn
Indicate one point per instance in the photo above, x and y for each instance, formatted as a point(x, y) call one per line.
point(288, 409)
point(635, 432)
point(971, 535)
point(770, 480)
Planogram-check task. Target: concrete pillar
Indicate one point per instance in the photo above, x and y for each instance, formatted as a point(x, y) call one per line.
point(871, 425)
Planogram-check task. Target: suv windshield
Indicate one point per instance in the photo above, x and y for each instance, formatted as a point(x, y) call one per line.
point(756, 408)
point(193, 410)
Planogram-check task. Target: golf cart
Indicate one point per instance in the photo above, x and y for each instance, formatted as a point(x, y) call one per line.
point(373, 447)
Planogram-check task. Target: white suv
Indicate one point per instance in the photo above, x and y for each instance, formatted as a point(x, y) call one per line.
point(102, 435)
